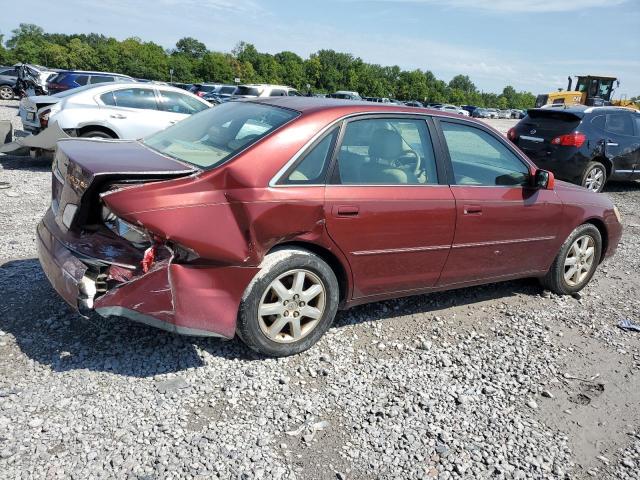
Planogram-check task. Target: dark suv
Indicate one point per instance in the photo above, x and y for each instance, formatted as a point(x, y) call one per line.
point(73, 79)
point(584, 145)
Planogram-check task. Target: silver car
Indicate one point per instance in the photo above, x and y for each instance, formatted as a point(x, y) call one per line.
point(111, 110)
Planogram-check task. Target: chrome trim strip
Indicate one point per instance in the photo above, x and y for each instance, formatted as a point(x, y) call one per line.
point(400, 250)
point(502, 242)
point(624, 171)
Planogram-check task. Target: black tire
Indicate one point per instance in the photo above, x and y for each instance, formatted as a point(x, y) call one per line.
point(555, 280)
point(594, 170)
point(96, 134)
point(275, 265)
point(6, 92)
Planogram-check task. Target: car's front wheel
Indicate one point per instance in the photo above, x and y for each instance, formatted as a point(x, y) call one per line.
point(594, 177)
point(6, 92)
point(576, 261)
point(289, 304)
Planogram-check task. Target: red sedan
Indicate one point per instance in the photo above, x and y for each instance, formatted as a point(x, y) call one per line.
point(262, 218)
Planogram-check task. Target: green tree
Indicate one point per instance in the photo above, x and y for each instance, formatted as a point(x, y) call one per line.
point(463, 83)
point(191, 47)
point(217, 67)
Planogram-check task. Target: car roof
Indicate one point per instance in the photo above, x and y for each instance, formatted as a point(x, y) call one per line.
point(584, 109)
point(91, 72)
point(340, 108)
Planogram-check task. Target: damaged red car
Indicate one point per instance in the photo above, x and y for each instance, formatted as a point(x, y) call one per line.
point(263, 218)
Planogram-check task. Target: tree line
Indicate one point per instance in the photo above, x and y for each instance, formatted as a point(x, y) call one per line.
point(191, 61)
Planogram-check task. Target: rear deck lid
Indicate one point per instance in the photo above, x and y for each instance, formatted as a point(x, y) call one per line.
point(541, 125)
point(83, 166)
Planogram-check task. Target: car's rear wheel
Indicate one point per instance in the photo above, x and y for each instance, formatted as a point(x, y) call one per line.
point(594, 177)
point(96, 134)
point(576, 261)
point(289, 304)
point(6, 92)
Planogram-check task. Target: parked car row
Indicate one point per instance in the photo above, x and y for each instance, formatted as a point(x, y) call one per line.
point(184, 229)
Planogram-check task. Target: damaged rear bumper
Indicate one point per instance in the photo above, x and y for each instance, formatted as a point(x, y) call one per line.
point(200, 300)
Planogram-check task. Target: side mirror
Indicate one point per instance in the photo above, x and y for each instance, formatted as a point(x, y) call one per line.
point(544, 180)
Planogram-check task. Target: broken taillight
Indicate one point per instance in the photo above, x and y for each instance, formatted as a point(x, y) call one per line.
point(149, 257)
point(44, 118)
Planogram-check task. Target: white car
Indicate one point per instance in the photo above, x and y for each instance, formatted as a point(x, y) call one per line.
point(265, 90)
point(452, 109)
point(111, 110)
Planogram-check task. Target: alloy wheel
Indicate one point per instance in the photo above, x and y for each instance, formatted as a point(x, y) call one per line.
point(579, 260)
point(6, 93)
point(292, 306)
point(595, 179)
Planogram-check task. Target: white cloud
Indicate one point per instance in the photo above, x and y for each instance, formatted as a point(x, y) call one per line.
point(518, 6)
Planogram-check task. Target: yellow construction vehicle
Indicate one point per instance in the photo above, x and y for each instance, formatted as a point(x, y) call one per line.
point(592, 90)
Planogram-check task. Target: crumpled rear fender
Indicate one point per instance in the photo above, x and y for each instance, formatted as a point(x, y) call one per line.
point(231, 227)
point(184, 299)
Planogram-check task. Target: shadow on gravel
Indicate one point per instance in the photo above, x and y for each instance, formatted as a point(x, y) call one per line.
point(629, 186)
point(15, 162)
point(50, 333)
point(436, 302)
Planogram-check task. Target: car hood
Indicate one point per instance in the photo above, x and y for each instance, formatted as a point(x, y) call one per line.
point(570, 193)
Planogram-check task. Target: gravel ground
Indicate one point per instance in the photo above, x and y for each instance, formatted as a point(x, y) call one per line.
point(502, 381)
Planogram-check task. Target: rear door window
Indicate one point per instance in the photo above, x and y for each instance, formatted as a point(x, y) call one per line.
point(140, 98)
point(619, 124)
point(81, 79)
point(278, 93)
point(101, 79)
point(386, 152)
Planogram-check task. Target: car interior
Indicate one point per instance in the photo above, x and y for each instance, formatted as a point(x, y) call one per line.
point(387, 152)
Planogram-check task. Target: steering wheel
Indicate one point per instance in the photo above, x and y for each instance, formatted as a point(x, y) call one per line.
point(409, 158)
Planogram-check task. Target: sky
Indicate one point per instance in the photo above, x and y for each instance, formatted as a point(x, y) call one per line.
point(532, 45)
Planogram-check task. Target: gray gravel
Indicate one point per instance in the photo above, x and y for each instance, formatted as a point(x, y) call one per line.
point(504, 381)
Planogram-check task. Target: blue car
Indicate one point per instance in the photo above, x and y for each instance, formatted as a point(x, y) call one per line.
point(77, 78)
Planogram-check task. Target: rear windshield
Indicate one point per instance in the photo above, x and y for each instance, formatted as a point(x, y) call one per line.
point(548, 114)
point(209, 138)
point(248, 91)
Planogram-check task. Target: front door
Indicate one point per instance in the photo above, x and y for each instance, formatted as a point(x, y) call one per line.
point(385, 207)
point(504, 227)
point(622, 146)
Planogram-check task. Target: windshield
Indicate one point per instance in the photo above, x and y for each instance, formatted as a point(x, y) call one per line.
point(209, 138)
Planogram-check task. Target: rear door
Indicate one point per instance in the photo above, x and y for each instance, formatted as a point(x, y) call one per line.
point(622, 145)
point(132, 112)
point(504, 227)
point(386, 208)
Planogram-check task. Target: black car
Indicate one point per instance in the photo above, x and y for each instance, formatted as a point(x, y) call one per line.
point(584, 145)
point(469, 108)
point(8, 78)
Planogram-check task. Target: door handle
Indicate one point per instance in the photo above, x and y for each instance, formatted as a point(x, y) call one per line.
point(611, 143)
point(118, 115)
point(472, 210)
point(346, 211)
